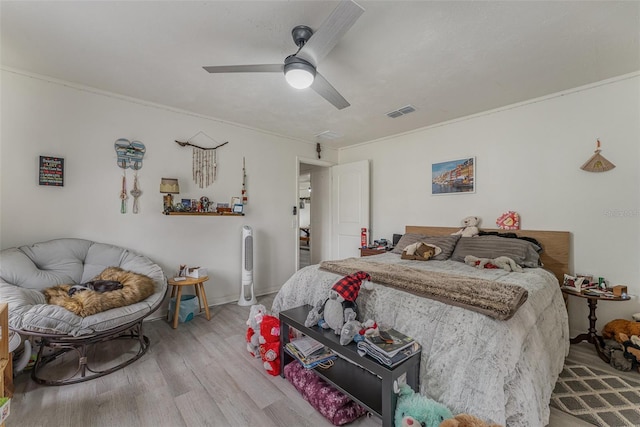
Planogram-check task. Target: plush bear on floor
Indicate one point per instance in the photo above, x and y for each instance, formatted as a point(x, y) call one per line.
point(256, 313)
point(613, 329)
point(414, 409)
point(466, 420)
point(270, 344)
point(469, 227)
point(340, 307)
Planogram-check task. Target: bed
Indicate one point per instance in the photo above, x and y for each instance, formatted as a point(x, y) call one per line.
point(500, 370)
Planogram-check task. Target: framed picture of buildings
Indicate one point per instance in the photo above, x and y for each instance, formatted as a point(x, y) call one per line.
point(454, 176)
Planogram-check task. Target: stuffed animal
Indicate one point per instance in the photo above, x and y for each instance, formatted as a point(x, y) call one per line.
point(469, 227)
point(270, 344)
point(340, 307)
point(414, 409)
point(612, 329)
point(256, 314)
point(466, 420)
point(503, 262)
point(356, 331)
point(420, 251)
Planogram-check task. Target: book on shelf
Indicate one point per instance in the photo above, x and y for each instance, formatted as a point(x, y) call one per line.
point(306, 345)
point(312, 360)
point(400, 356)
point(389, 342)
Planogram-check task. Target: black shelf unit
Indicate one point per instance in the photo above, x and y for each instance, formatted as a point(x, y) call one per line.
point(362, 378)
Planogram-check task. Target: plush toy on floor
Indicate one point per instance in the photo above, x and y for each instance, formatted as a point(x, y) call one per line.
point(270, 344)
point(340, 307)
point(416, 410)
point(256, 313)
point(469, 227)
point(502, 262)
point(613, 329)
point(466, 420)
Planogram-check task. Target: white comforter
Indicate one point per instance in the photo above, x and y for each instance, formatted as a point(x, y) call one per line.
point(501, 371)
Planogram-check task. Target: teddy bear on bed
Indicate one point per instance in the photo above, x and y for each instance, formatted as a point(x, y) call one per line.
point(502, 262)
point(340, 307)
point(469, 227)
point(416, 410)
point(466, 420)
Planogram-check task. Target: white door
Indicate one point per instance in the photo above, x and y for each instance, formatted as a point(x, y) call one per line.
point(350, 207)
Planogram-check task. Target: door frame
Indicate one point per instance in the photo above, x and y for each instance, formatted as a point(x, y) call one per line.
point(296, 221)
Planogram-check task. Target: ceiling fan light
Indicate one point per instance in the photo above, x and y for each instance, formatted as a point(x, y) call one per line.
point(299, 79)
point(299, 75)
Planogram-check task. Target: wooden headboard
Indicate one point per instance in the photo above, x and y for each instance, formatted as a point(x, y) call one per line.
point(555, 244)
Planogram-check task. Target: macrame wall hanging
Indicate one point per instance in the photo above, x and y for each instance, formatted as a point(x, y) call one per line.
point(597, 162)
point(204, 160)
point(129, 155)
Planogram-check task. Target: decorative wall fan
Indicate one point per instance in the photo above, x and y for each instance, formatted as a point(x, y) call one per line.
point(300, 68)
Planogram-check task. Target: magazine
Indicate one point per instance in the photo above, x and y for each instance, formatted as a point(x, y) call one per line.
point(322, 355)
point(399, 357)
point(306, 345)
point(389, 342)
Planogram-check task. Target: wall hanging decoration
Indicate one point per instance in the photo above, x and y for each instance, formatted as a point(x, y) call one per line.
point(509, 220)
point(245, 196)
point(454, 177)
point(597, 163)
point(51, 171)
point(205, 162)
point(129, 155)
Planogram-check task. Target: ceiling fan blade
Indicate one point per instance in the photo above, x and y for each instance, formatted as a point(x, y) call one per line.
point(258, 68)
point(330, 32)
point(328, 92)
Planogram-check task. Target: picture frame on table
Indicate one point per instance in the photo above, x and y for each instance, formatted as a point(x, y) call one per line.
point(238, 208)
point(454, 176)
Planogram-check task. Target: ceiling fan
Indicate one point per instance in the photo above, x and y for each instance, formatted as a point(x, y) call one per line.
point(300, 68)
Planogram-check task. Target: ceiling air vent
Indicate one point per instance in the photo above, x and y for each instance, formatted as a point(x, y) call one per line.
point(401, 111)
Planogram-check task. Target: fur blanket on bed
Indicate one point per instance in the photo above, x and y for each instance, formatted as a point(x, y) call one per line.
point(135, 288)
point(494, 299)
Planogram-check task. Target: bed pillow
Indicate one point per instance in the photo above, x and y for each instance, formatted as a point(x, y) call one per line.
point(523, 252)
point(446, 243)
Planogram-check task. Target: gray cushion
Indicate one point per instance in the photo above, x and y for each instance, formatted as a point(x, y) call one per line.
point(27, 270)
point(446, 243)
point(523, 252)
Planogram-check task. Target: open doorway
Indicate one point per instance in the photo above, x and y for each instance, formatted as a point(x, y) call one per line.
point(314, 208)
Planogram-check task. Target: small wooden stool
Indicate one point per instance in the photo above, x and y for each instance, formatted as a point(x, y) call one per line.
point(176, 291)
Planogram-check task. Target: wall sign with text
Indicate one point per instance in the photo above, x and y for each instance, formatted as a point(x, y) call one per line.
point(51, 171)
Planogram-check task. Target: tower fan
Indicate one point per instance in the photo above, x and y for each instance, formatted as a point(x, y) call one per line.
point(246, 290)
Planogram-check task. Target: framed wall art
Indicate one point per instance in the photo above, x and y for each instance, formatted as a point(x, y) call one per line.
point(51, 171)
point(454, 176)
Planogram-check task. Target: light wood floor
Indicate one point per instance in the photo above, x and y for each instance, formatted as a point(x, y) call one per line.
point(197, 375)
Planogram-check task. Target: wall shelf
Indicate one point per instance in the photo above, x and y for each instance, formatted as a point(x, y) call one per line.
point(204, 213)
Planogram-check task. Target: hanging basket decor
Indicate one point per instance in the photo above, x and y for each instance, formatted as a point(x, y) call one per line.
point(597, 162)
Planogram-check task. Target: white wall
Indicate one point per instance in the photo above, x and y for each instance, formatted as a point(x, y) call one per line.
point(41, 116)
point(528, 159)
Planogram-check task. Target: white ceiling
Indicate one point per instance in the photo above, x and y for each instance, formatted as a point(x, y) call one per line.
point(448, 59)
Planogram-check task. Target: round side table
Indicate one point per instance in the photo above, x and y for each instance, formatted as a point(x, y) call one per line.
point(176, 291)
point(591, 336)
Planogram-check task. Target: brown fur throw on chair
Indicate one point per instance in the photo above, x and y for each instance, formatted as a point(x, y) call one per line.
point(135, 288)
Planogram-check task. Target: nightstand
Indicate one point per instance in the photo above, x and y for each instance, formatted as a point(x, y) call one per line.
point(197, 283)
point(371, 251)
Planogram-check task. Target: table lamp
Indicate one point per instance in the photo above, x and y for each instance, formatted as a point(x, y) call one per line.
point(169, 186)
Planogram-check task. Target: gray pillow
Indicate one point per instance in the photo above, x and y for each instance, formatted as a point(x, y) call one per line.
point(446, 243)
point(523, 252)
